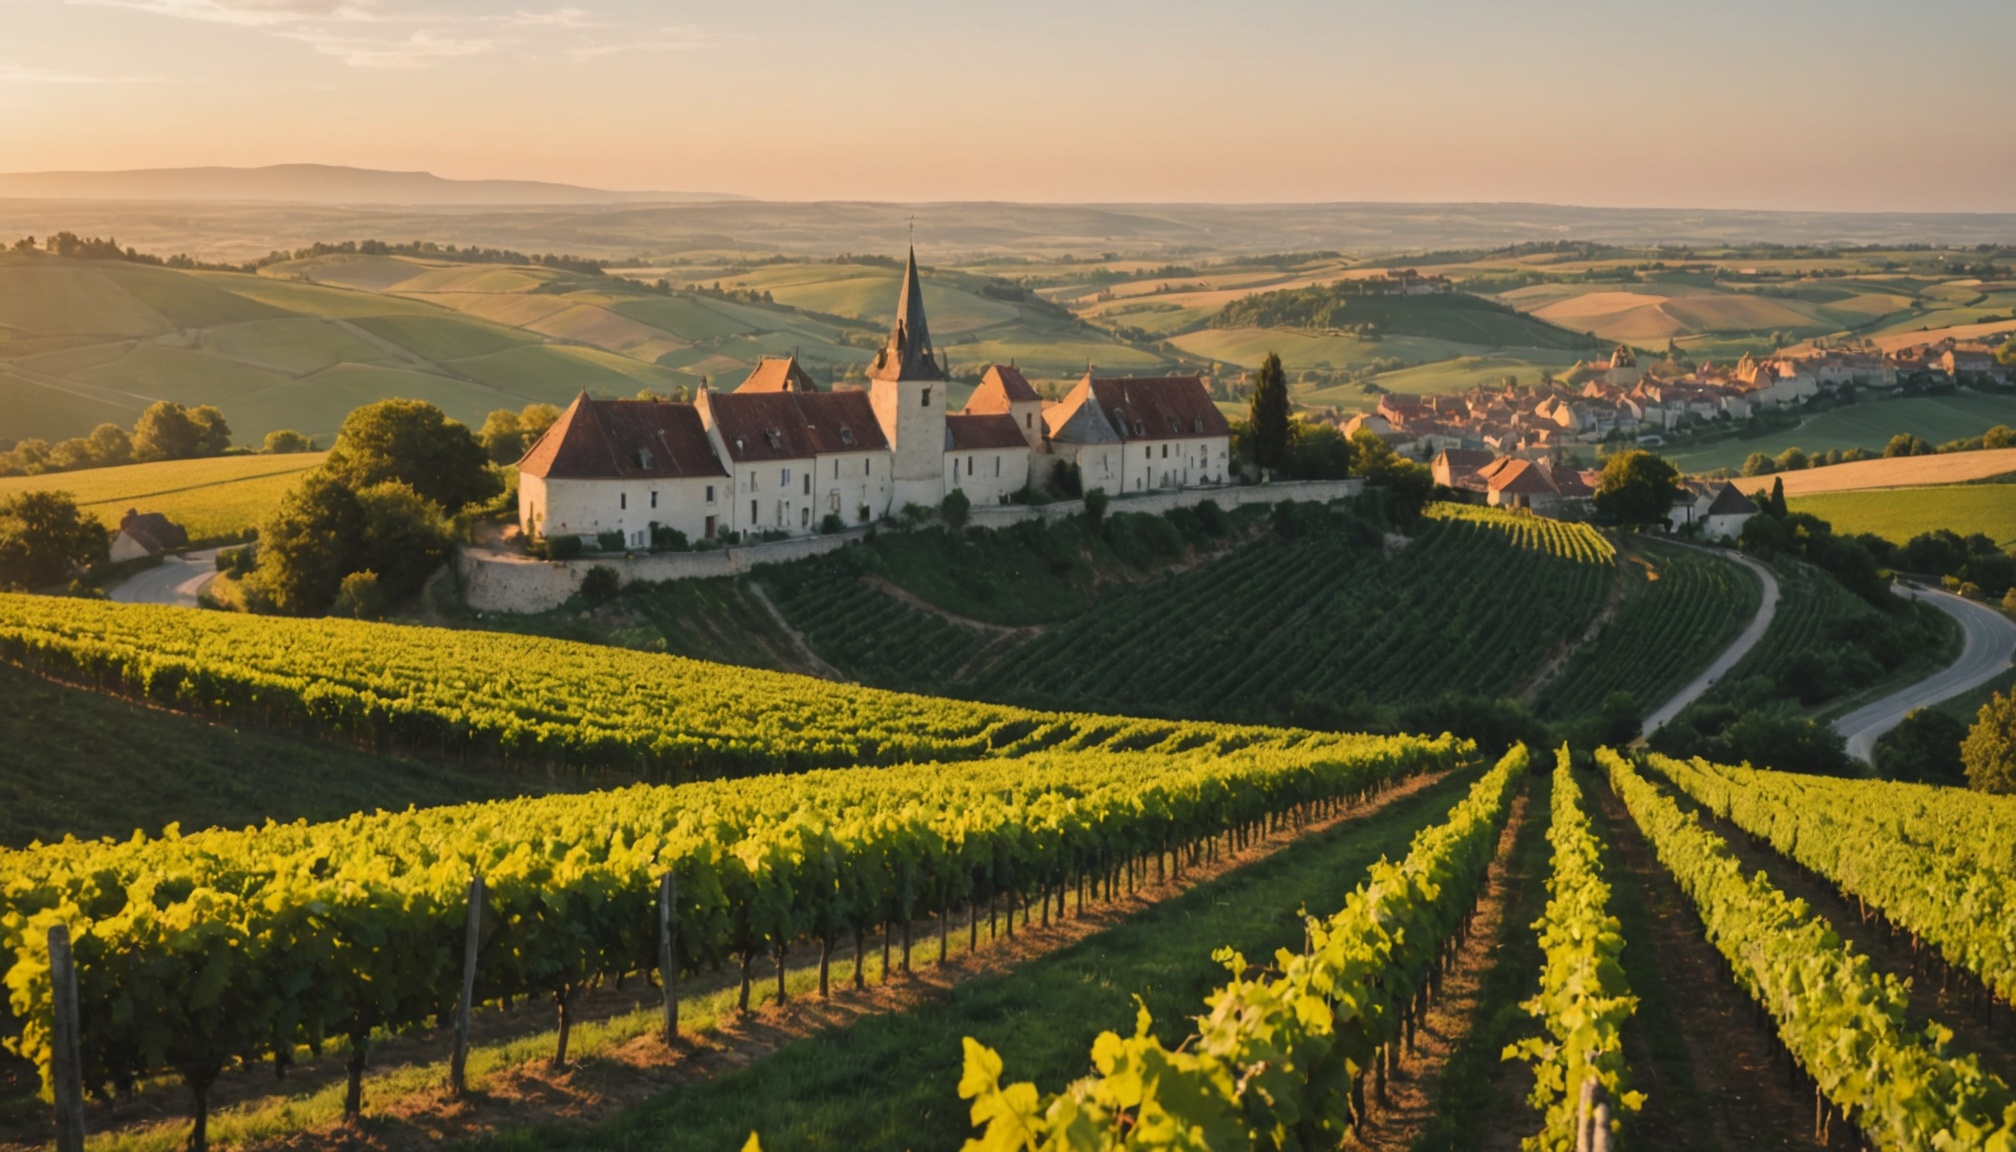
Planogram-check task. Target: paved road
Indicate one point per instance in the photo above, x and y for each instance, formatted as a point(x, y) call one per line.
point(175, 581)
point(1991, 641)
point(1738, 648)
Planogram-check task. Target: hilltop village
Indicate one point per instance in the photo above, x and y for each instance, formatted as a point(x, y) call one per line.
point(778, 456)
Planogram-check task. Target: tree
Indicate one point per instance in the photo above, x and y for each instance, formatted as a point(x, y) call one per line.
point(601, 584)
point(1095, 507)
point(1373, 459)
point(955, 509)
point(534, 419)
point(1267, 415)
point(308, 543)
point(1793, 460)
point(1924, 748)
point(501, 437)
point(1905, 444)
point(165, 431)
point(414, 442)
point(1758, 464)
point(286, 442)
point(44, 540)
point(2001, 435)
point(405, 538)
point(213, 435)
point(360, 597)
point(1318, 452)
point(1637, 487)
point(110, 446)
point(1989, 752)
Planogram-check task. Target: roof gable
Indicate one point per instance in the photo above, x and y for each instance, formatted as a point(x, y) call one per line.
point(778, 374)
point(1001, 388)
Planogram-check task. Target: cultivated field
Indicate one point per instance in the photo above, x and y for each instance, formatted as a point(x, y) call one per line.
point(1897, 514)
point(1869, 424)
point(1896, 472)
point(213, 499)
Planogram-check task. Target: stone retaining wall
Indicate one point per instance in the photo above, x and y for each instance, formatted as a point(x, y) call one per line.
point(499, 581)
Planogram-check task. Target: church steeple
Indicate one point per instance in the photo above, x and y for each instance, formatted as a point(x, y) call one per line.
point(908, 355)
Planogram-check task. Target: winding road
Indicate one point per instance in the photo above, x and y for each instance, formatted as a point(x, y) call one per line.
point(175, 581)
point(1767, 610)
point(1990, 644)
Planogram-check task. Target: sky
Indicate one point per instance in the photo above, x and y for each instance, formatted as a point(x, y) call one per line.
point(1779, 104)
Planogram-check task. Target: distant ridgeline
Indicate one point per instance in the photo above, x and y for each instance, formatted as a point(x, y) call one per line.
point(70, 244)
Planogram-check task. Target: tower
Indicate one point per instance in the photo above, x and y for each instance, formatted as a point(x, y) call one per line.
point(907, 389)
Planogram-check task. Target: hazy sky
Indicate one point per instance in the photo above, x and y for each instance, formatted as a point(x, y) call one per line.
point(1824, 104)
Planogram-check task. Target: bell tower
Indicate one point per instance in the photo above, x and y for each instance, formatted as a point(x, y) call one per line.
point(907, 389)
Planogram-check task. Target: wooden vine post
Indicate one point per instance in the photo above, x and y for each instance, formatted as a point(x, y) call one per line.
point(668, 951)
point(458, 1065)
point(67, 1059)
point(1592, 1118)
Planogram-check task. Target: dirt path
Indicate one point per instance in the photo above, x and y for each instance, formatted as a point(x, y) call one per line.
point(808, 660)
point(631, 1069)
point(1696, 1046)
point(1413, 1096)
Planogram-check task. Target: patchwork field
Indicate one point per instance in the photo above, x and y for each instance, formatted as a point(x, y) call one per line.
point(1898, 514)
point(213, 499)
point(1901, 472)
point(1869, 425)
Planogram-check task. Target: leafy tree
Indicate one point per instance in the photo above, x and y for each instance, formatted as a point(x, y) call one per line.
point(44, 539)
point(2001, 435)
point(360, 597)
point(1637, 487)
point(955, 509)
point(307, 544)
point(1318, 452)
point(286, 442)
point(1989, 752)
point(1095, 507)
point(1905, 444)
point(1268, 415)
point(213, 434)
point(1793, 460)
point(165, 431)
point(1411, 484)
point(1758, 464)
point(414, 442)
point(111, 446)
point(405, 537)
point(1924, 748)
point(534, 419)
point(501, 437)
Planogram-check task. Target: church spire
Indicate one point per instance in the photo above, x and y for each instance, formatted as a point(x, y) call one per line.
point(908, 355)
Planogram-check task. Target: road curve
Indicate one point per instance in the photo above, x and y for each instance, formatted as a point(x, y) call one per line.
point(175, 581)
point(1991, 642)
point(1767, 609)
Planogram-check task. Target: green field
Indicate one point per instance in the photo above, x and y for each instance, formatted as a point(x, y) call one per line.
point(1869, 424)
point(1897, 514)
point(213, 499)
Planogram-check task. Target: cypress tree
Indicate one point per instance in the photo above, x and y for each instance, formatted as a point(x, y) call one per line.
point(1268, 415)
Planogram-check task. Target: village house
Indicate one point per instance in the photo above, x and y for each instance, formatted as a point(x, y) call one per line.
point(777, 455)
point(1719, 507)
point(145, 534)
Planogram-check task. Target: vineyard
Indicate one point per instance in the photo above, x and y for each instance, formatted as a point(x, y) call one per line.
point(193, 953)
point(1470, 605)
point(1678, 605)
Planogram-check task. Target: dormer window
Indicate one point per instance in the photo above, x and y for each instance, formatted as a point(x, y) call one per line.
point(1140, 429)
point(644, 458)
point(1200, 425)
point(846, 434)
point(773, 437)
point(1175, 426)
point(741, 445)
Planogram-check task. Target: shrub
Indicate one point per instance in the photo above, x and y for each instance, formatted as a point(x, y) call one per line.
point(609, 541)
point(1095, 507)
point(601, 584)
point(360, 597)
point(563, 547)
point(831, 523)
point(664, 539)
point(955, 509)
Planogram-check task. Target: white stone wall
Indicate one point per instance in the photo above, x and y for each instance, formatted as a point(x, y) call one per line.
point(564, 507)
point(912, 415)
point(1152, 464)
point(495, 581)
point(987, 475)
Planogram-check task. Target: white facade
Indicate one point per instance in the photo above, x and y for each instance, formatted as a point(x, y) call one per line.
point(591, 507)
point(1152, 464)
point(987, 475)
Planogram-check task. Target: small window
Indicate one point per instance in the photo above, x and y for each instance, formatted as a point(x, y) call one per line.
point(1028, 420)
point(1200, 425)
point(969, 465)
point(710, 493)
point(805, 517)
point(927, 398)
point(867, 465)
point(752, 512)
point(752, 481)
point(1148, 452)
point(741, 445)
point(644, 458)
point(997, 466)
point(836, 468)
point(654, 498)
point(785, 481)
point(846, 434)
point(808, 483)
point(1165, 451)
point(622, 500)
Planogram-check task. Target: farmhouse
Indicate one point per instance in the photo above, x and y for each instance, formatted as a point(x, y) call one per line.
point(777, 455)
point(145, 534)
point(1719, 507)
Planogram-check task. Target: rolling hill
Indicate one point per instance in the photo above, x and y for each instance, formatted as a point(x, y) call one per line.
point(213, 499)
point(319, 184)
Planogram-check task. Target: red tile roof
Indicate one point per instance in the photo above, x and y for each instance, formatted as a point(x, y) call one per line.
point(622, 440)
point(778, 374)
point(1159, 407)
point(795, 425)
point(999, 388)
point(1522, 478)
point(985, 430)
